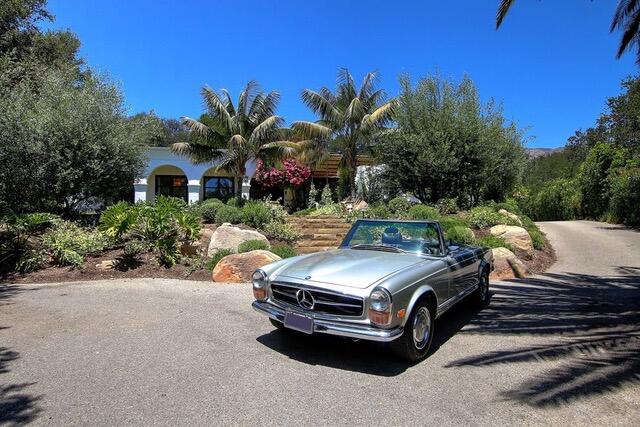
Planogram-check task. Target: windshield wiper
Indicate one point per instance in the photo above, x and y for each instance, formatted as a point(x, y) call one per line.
point(386, 248)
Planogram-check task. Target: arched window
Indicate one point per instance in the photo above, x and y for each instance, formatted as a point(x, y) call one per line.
point(172, 186)
point(218, 187)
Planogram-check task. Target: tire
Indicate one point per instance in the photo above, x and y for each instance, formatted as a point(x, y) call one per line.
point(276, 323)
point(482, 296)
point(407, 346)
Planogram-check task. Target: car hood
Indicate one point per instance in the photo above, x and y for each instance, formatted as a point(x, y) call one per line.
point(348, 267)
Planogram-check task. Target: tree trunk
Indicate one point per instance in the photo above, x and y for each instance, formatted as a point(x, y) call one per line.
point(239, 186)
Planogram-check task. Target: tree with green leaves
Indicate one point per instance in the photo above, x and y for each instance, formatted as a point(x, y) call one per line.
point(626, 19)
point(228, 136)
point(447, 144)
point(350, 119)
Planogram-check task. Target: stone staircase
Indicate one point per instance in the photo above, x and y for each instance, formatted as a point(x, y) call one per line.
point(319, 233)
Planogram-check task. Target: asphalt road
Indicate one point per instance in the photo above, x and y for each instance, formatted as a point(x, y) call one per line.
point(561, 348)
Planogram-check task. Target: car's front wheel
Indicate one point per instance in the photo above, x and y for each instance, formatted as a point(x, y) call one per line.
point(415, 342)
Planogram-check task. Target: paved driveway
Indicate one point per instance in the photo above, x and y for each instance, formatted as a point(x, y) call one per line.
point(556, 349)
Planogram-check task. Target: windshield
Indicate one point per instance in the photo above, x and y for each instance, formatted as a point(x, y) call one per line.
point(397, 236)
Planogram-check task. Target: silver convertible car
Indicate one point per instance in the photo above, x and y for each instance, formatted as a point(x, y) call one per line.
point(388, 281)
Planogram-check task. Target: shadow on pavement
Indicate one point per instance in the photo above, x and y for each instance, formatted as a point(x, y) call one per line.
point(593, 323)
point(361, 356)
point(16, 405)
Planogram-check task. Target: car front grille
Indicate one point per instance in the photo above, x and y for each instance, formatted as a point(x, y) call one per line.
point(326, 302)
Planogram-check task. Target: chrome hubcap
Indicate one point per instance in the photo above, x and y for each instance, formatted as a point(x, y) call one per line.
point(421, 328)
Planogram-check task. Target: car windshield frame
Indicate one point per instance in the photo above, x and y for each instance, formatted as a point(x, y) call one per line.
point(346, 242)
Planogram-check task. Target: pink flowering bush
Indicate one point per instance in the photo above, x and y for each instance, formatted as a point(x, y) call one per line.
point(291, 173)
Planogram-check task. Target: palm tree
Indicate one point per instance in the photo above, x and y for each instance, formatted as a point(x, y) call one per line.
point(350, 118)
point(230, 136)
point(626, 18)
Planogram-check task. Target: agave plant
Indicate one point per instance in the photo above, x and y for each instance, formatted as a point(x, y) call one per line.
point(230, 135)
point(626, 18)
point(349, 119)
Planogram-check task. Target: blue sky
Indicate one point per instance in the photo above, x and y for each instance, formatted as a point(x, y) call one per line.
point(552, 64)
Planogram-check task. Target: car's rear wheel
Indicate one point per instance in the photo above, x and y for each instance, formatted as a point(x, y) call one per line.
point(415, 342)
point(481, 296)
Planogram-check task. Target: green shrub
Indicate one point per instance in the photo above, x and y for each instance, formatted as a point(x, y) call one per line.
point(483, 216)
point(537, 238)
point(509, 205)
point(207, 209)
point(252, 245)
point(448, 222)
point(330, 209)
point(17, 251)
point(304, 212)
point(68, 243)
point(236, 202)
point(229, 214)
point(216, 257)
point(624, 202)
point(555, 200)
point(492, 242)
point(380, 211)
point(399, 206)
point(326, 197)
point(460, 235)
point(281, 231)
point(256, 214)
point(284, 251)
point(134, 248)
point(118, 219)
point(423, 212)
point(447, 206)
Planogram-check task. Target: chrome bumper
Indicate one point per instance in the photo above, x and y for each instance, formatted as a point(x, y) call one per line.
point(333, 328)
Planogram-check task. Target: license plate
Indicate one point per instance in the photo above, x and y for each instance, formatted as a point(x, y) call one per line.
point(298, 322)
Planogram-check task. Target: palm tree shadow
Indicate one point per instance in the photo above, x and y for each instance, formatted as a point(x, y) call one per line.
point(594, 324)
point(17, 406)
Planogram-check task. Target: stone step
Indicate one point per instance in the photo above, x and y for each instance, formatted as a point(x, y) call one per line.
point(310, 250)
point(321, 236)
point(318, 242)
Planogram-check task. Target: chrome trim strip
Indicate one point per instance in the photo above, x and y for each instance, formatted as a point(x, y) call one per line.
point(333, 328)
point(454, 300)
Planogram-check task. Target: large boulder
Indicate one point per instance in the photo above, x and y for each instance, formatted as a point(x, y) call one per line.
point(229, 237)
point(507, 265)
point(511, 215)
point(516, 236)
point(238, 268)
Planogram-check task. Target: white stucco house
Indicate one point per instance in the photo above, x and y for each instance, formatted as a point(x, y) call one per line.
point(169, 174)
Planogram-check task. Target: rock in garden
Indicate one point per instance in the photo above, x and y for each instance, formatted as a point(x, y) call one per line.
point(107, 264)
point(516, 236)
point(361, 205)
point(228, 236)
point(190, 249)
point(507, 265)
point(238, 268)
point(513, 216)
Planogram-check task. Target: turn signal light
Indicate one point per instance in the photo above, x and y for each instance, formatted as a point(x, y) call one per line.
point(380, 318)
point(260, 293)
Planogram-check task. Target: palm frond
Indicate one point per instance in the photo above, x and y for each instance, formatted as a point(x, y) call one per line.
point(368, 85)
point(237, 141)
point(197, 154)
point(215, 106)
point(229, 102)
point(266, 128)
point(247, 97)
point(311, 130)
point(320, 105)
point(355, 111)
point(264, 106)
point(197, 128)
point(380, 117)
point(346, 86)
point(503, 9)
point(623, 10)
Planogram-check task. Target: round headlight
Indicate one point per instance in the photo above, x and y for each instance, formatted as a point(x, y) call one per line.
point(259, 279)
point(380, 300)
